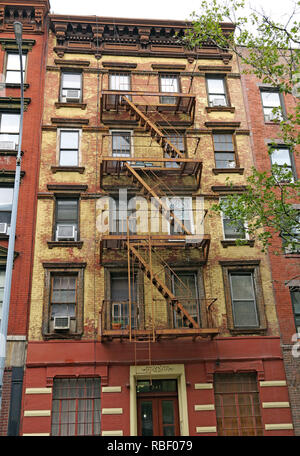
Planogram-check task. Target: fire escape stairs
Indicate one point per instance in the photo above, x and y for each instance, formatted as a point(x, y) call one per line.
point(162, 288)
point(154, 131)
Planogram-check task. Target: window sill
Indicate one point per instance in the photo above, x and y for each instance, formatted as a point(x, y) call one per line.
point(4, 236)
point(52, 244)
point(231, 242)
point(228, 170)
point(220, 108)
point(14, 85)
point(237, 331)
point(62, 335)
point(68, 169)
point(61, 104)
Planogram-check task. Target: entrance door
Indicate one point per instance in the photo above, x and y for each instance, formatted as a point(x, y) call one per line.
point(158, 416)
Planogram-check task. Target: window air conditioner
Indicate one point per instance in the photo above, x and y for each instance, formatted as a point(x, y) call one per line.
point(7, 145)
point(72, 95)
point(66, 232)
point(218, 102)
point(62, 323)
point(3, 228)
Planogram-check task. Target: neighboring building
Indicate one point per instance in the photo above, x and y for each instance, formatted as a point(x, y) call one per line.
point(33, 17)
point(285, 267)
point(139, 328)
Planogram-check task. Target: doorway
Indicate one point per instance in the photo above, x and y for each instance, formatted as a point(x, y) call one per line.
point(157, 407)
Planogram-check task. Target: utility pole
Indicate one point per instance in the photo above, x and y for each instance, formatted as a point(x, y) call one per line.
point(18, 28)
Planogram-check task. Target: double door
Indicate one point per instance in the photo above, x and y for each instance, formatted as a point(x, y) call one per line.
point(158, 415)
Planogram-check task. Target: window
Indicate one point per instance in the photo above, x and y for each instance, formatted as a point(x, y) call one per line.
point(281, 156)
point(121, 210)
point(230, 230)
point(6, 199)
point(243, 299)
point(271, 100)
point(71, 87)
point(63, 296)
point(13, 68)
point(237, 405)
point(63, 300)
point(178, 142)
point(119, 293)
point(121, 143)
point(9, 130)
point(291, 241)
point(185, 288)
point(182, 208)
point(76, 407)
point(295, 296)
point(216, 91)
point(66, 220)
point(2, 282)
point(244, 296)
point(224, 150)
point(169, 83)
point(69, 148)
point(119, 82)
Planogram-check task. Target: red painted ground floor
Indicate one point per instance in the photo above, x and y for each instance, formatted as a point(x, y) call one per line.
point(227, 386)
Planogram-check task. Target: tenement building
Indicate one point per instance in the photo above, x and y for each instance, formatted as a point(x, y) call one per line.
point(146, 318)
point(32, 15)
point(269, 148)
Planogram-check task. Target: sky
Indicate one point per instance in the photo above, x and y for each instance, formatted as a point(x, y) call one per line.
point(155, 9)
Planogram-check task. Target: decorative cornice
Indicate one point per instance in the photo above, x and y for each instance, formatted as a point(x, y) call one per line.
point(10, 44)
point(13, 103)
point(103, 36)
point(32, 15)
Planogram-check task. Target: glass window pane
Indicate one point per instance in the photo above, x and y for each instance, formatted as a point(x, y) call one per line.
point(68, 158)
point(271, 99)
point(169, 83)
point(215, 85)
point(67, 210)
point(147, 418)
point(295, 294)
point(13, 61)
point(242, 286)
point(244, 313)
point(119, 81)
point(281, 157)
point(69, 139)
point(10, 123)
point(168, 412)
point(233, 232)
point(71, 80)
point(6, 198)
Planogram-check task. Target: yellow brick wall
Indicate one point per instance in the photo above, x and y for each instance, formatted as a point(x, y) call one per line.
point(92, 146)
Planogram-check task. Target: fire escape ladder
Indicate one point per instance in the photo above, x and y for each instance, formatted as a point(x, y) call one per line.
point(162, 288)
point(163, 207)
point(155, 132)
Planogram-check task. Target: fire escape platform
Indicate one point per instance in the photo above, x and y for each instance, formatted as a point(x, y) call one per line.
point(158, 333)
point(182, 110)
point(165, 241)
point(175, 168)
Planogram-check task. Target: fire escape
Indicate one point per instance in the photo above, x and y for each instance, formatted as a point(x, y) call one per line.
point(153, 177)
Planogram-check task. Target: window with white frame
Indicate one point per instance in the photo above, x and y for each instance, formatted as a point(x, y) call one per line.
point(9, 130)
point(282, 157)
point(69, 147)
point(271, 100)
point(169, 83)
point(71, 87)
point(182, 208)
point(13, 68)
point(224, 150)
point(243, 299)
point(121, 143)
point(232, 231)
point(216, 91)
point(66, 219)
point(6, 200)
